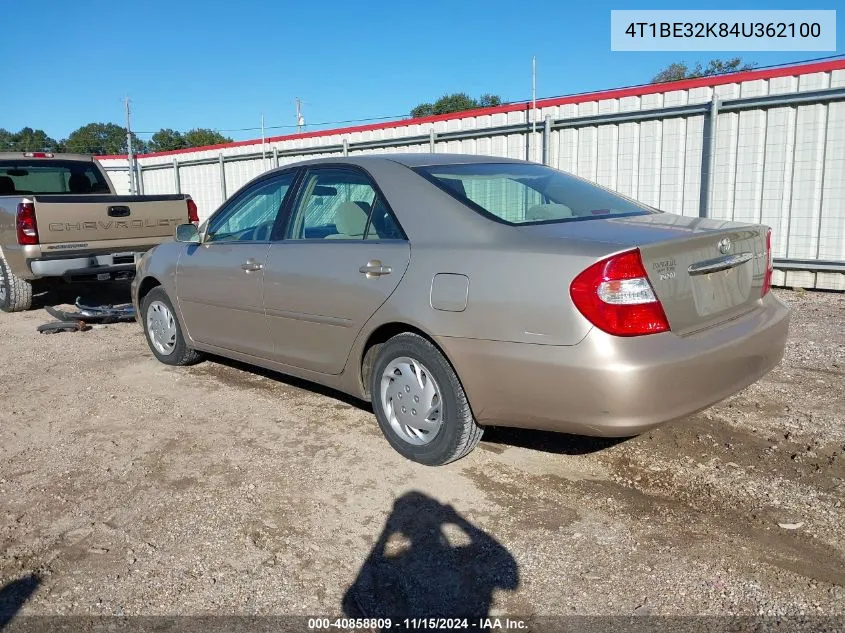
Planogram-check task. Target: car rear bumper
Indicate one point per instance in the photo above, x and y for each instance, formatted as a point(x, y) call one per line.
point(615, 386)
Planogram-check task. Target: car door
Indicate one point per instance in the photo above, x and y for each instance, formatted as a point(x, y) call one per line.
point(343, 254)
point(220, 282)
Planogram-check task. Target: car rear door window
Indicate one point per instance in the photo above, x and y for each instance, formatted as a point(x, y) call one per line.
point(341, 204)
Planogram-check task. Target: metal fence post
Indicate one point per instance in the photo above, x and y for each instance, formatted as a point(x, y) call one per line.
point(547, 139)
point(275, 157)
point(708, 158)
point(222, 176)
point(176, 181)
point(432, 139)
point(346, 147)
point(140, 178)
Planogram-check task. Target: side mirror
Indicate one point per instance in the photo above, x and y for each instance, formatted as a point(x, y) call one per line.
point(188, 234)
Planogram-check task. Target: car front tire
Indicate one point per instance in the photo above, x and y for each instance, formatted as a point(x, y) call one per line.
point(419, 402)
point(163, 330)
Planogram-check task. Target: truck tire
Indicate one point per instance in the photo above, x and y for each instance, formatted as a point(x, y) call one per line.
point(15, 293)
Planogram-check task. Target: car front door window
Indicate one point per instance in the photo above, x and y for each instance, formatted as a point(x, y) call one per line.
point(252, 216)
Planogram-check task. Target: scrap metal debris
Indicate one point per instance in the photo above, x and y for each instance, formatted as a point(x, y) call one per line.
point(95, 314)
point(63, 326)
point(69, 321)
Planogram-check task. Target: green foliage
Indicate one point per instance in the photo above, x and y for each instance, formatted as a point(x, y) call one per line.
point(680, 70)
point(201, 136)
point(102, 138)
point(455, 102)
point(28, 140)
point(166, 140)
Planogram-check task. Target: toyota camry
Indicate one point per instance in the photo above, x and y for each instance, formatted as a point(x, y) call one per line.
point(457, 292)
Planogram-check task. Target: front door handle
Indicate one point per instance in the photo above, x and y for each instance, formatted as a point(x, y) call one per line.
point(250, 266)
point(374, 268)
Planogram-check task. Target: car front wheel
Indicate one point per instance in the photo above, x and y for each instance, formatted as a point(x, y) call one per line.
point(419, 402)
point(163, 331)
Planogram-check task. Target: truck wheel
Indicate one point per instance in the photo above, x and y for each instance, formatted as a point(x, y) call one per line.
point(164, 332)
point(15, 293)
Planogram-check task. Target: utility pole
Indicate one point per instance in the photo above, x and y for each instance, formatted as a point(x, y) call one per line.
point(263, 150)
point(300, 120)
point(130, 156)
point(534, 107)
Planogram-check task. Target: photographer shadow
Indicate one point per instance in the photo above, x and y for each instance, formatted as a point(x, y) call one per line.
point(430, 562)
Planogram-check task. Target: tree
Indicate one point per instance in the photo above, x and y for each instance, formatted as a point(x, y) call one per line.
point(166, 140)
point(28, 140)
point(455, 102)
point(201, 136)
point(680, 70)
point(102, 138)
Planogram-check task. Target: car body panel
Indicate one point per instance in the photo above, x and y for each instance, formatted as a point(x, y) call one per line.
point(223, 303)
point(317, 299)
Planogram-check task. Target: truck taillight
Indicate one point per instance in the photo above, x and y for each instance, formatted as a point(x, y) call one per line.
point(193, 213)
point(26, 225)
point(767, 278)
point(616, 296)
point(38, 155)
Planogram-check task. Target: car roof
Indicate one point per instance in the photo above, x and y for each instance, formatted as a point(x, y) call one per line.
point(409, 160)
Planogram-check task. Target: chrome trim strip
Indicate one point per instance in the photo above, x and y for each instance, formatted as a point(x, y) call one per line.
point(720, 263)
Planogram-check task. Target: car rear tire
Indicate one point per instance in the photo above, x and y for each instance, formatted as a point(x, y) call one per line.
point(419, 402)
point(15, 293)
point(164, 332)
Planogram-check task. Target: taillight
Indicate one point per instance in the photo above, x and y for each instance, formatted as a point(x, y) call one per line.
point(38, 155)
point(616, 296)
point(27, 227)
point(193, 213)
point(767, 278)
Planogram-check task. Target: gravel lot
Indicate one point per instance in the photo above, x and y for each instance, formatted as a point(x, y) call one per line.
point(130, 488)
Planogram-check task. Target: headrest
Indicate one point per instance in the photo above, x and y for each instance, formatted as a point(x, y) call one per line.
point(350, 219)
point(541, 212)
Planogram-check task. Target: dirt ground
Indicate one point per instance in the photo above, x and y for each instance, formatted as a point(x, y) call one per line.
point(128, 487)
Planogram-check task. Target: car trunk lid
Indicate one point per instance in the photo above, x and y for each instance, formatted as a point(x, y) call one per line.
point(703, 272)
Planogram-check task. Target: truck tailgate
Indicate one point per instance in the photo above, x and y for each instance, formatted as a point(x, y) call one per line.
point(97, 218)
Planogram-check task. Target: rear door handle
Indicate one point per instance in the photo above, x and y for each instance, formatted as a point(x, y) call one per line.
point(374, 268)
point(250, 266)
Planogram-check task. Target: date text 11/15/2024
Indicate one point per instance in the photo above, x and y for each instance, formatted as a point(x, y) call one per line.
point(413, 624)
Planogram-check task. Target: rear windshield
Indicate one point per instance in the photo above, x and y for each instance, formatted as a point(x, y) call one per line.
point(50, 177)
point(518, 193)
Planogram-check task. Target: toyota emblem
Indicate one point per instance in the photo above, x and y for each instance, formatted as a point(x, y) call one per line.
point(725, 245)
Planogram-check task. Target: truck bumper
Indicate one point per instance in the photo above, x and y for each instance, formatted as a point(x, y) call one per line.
point(95, 268)
point(31, 262)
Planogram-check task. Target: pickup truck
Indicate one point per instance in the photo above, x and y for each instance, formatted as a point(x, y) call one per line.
point(61, 220)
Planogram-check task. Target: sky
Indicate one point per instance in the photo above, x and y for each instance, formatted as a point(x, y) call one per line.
point(220, 64)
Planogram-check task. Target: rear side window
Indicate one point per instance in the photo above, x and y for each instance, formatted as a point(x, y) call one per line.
point(519, 193)
point(28, 177)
